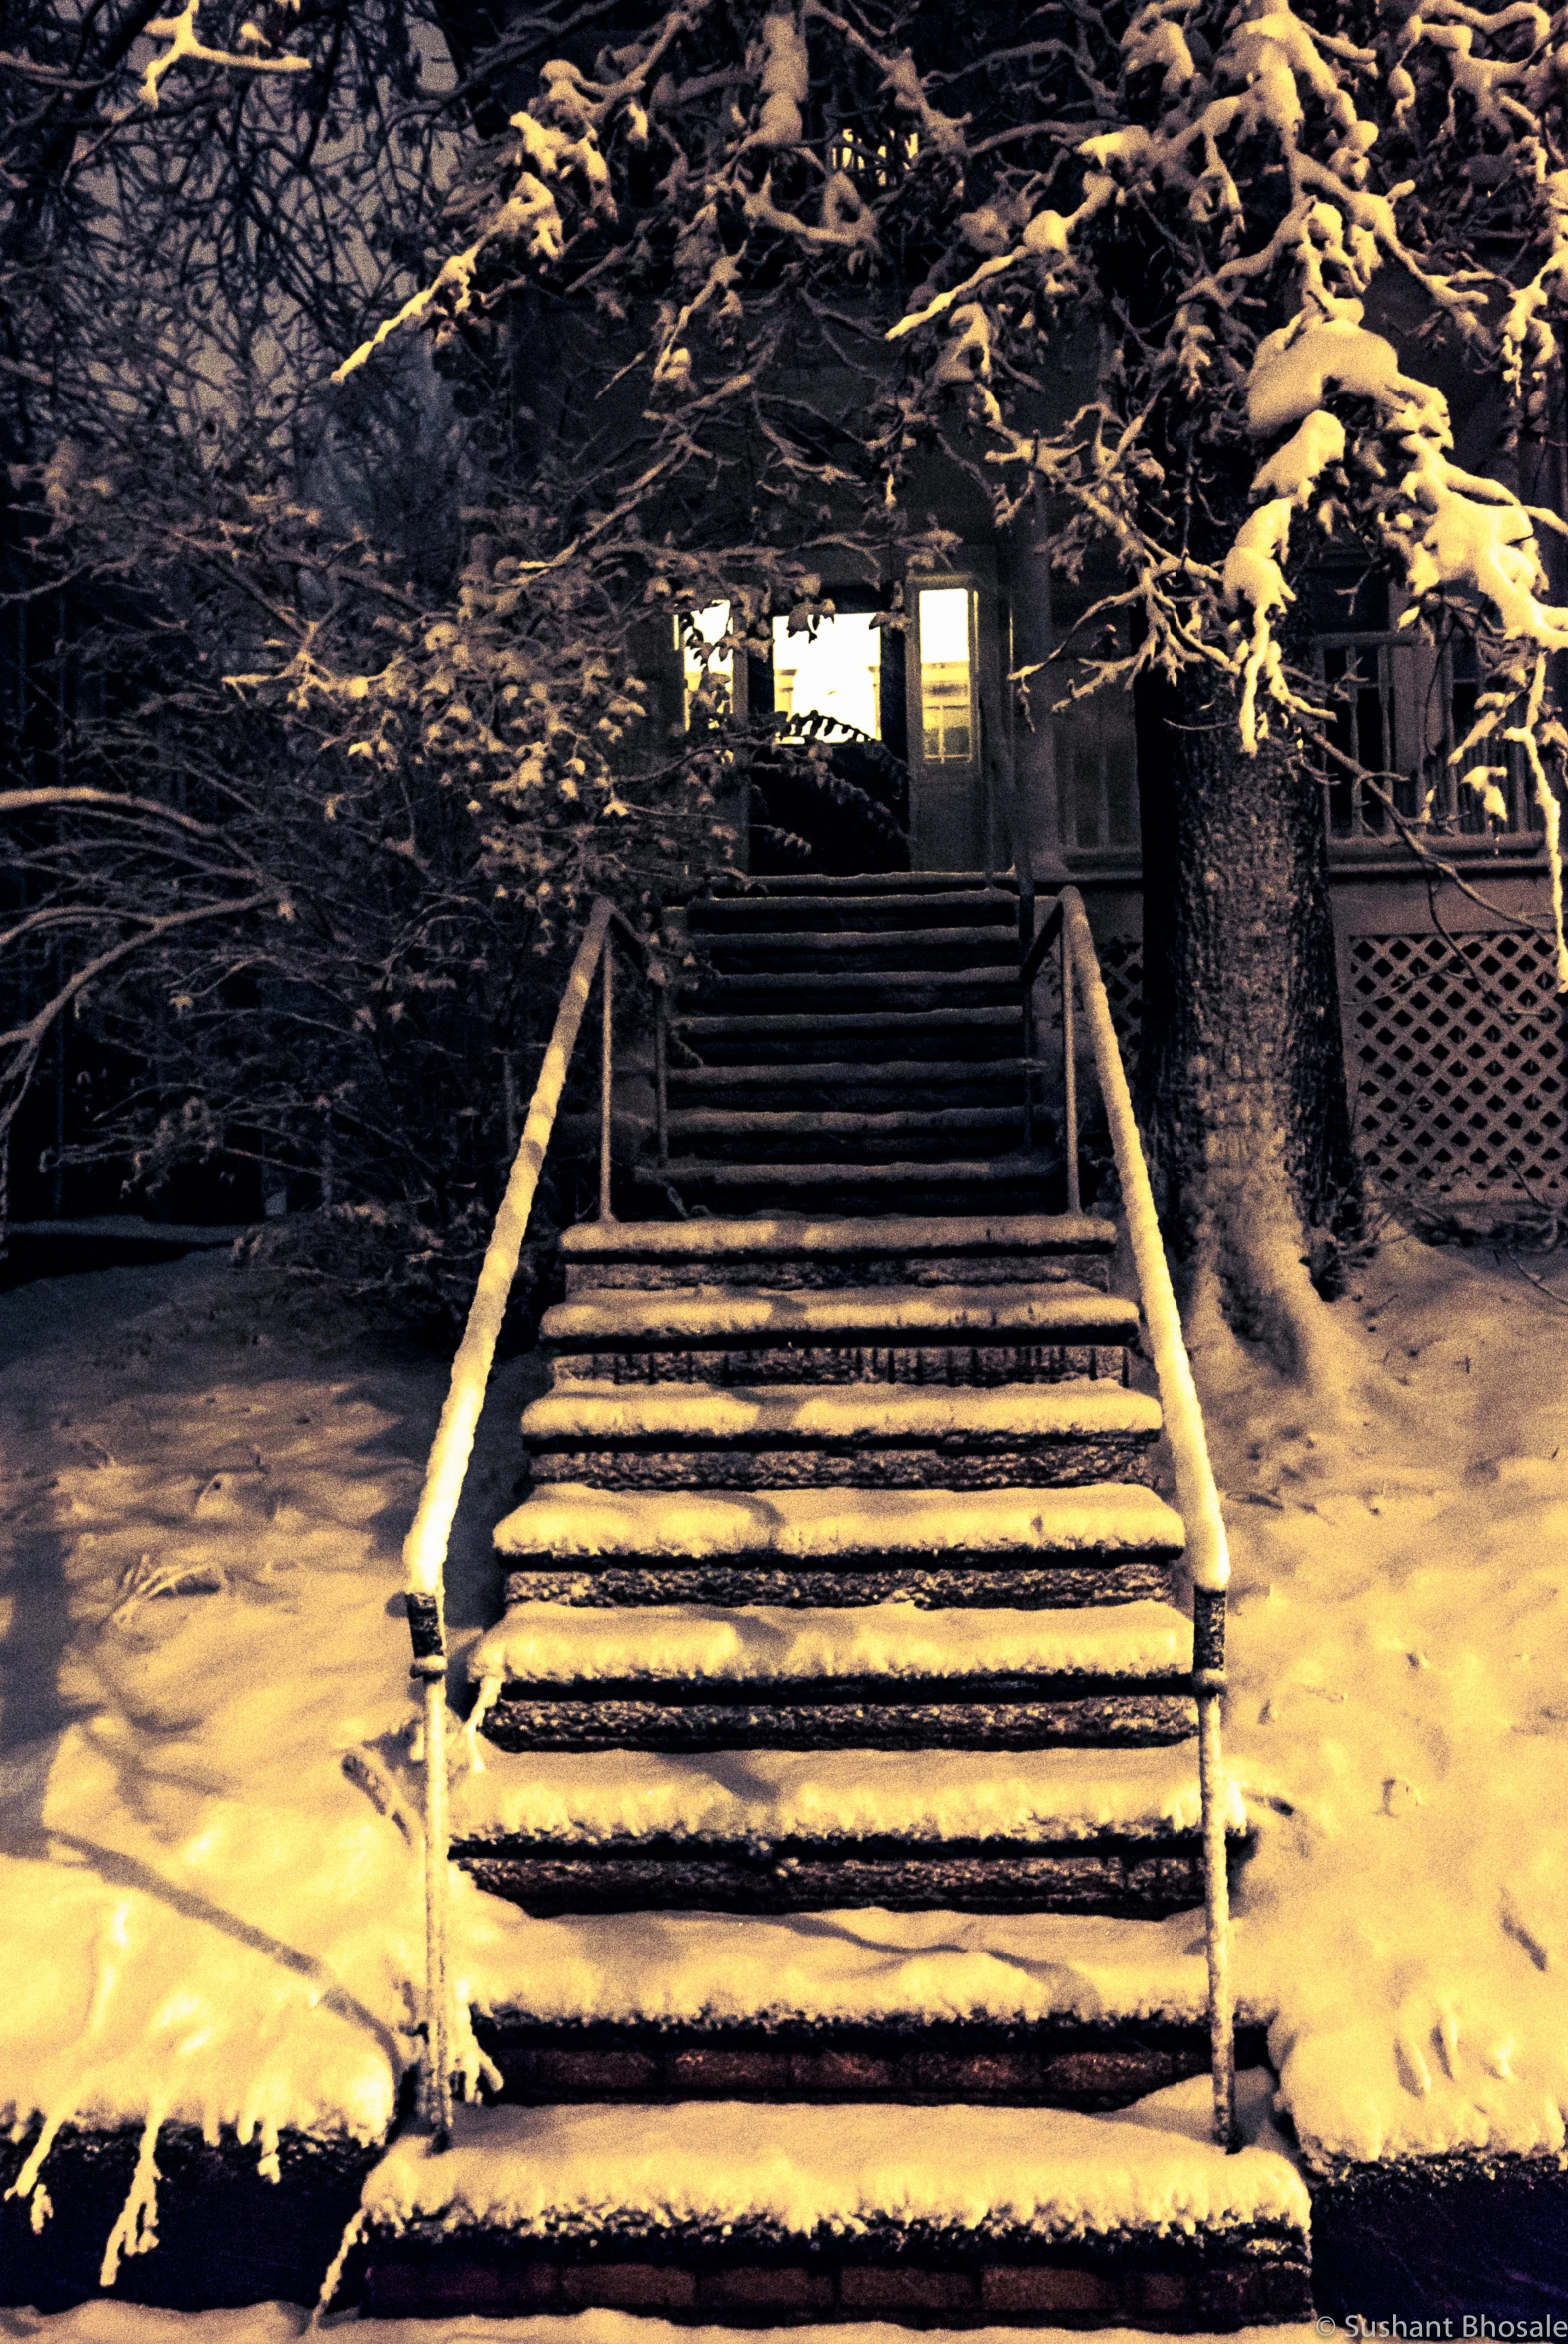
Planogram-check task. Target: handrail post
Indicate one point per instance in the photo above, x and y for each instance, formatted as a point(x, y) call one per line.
point(427, 1630)
point(1075, 1201)
point(606, 1078)
point(1208, 1683)
point(1026, 937)
point(1198, 1495)
point(661, 1070)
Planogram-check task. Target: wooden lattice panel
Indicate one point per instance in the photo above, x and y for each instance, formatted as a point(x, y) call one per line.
point(1460, 1057)
point(1121, 967)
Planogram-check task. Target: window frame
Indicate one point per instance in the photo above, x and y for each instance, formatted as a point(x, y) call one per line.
point(936, 582)
point(1414, 681)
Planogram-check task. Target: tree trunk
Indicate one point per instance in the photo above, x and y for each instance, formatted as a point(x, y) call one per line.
point(1245, 1103)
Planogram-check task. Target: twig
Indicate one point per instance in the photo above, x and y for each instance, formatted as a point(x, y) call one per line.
point(1560, 1299)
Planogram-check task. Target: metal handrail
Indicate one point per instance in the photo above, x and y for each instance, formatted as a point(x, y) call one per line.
point(1198, 1494)
point(425, 1548)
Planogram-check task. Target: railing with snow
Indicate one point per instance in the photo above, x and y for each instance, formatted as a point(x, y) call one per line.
point(424, 1549)
point(1198, 1496)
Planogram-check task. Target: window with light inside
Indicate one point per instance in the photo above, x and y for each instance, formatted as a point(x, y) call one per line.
point(947, 675)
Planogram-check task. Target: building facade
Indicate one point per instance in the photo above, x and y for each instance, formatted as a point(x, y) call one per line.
point(1456, 1037)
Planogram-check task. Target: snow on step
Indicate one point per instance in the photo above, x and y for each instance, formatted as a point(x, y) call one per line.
point(893, 981)
point(570, 1521)
point(803, 1414)
point(948, 1173)
point(810, 2174)
point(728, 887)
point(815, 944)
point(976, 1018)
point(751, 909)
point(895, 1072)
point(927, 1796)
point(761, 1123)
point(697, 1316)
point(837, 1969)
point(791, 1235)
point(552, 1643)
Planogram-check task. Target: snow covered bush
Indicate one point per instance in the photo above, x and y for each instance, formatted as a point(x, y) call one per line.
point(298, 817)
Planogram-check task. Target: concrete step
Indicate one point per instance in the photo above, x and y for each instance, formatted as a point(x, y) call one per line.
point(980, 1714)
point(831, 1135)
point(1091, 2065)
point(799, 1252)
point(815, 1437)
point(946, 906)
point(875, 1334)
point(781, 1035)
point(775, 2214)
point(941, 1185)
point(686, 1677)
point(845, 1083)
point(1021, 2009)
point(684, 1648)
point(970, 1366)
point(932, 1548)
point(1060, 1830)
point(745, 950)
point(793, 884)
point(901, 990)
point(702, 1319)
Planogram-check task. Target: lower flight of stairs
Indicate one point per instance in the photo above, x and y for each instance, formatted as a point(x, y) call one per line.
point(834, 1760)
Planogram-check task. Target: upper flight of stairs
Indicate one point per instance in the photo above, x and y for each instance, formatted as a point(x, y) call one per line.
point(837, 1741)
point(849, 1045)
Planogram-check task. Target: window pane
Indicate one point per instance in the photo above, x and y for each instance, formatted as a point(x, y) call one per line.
point(699, 668)
point(946, 716)
point(836, 672)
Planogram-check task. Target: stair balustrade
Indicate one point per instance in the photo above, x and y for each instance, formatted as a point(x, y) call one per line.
point(426, 1547)
point(1198, 1495)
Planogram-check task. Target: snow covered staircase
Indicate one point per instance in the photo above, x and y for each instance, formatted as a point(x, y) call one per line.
point(837, 1768)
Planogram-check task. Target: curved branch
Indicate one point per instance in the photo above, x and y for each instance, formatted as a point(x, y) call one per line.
point(32, 801)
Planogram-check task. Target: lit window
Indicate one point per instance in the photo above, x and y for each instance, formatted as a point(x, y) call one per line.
point(703, 666)
point(834, 672)
point(947, 690)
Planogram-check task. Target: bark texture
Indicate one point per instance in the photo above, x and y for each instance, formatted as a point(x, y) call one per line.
point(1244, 1100)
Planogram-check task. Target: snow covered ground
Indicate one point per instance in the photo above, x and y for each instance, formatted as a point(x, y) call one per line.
point(280, 2323)
point(205, 1482)
point(209, 1902)
point(1400, 1715)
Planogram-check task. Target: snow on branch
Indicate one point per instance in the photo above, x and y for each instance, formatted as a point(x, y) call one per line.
point(1293, 115)
point(1259, 214)
point(530, 216)
point(1448, 530)
point(186, 48)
